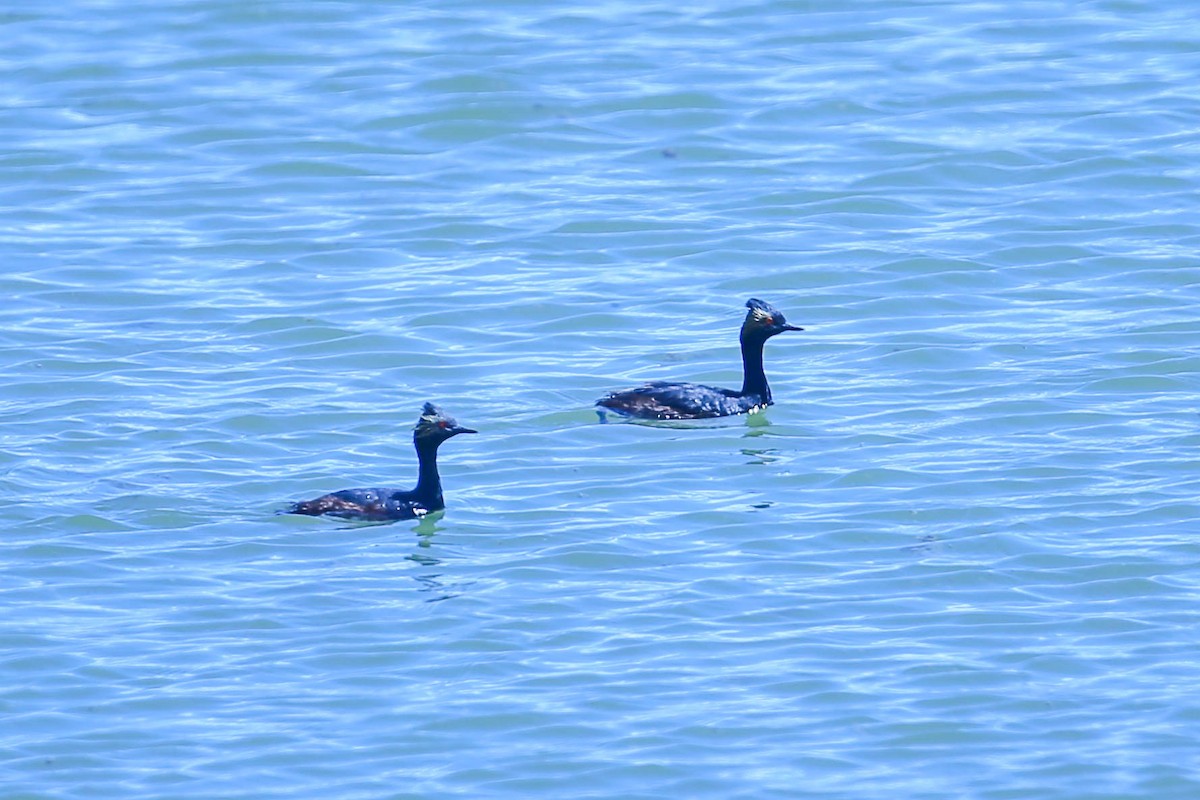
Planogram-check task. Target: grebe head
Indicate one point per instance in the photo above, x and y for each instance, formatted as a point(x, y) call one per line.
point(763, 320)
point(437, 426)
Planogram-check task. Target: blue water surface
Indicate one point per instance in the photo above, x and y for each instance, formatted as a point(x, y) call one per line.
point(245, 243)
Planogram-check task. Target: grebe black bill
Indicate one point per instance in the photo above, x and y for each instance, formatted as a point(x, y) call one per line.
point(666, 400)
point(433, 428)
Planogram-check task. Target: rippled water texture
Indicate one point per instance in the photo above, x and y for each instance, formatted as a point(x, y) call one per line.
point(246, 241)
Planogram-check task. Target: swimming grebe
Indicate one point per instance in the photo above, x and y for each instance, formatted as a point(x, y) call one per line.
point(669, 400)
point(433, 428)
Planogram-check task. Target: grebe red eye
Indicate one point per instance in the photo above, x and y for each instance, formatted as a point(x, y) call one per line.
point(442, 423)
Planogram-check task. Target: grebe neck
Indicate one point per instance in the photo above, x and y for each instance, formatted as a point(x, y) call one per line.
point(754, 378)
point(429, 484)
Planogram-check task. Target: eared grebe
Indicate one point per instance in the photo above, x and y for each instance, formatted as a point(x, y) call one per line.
point(669, 400)
point(433, 428)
